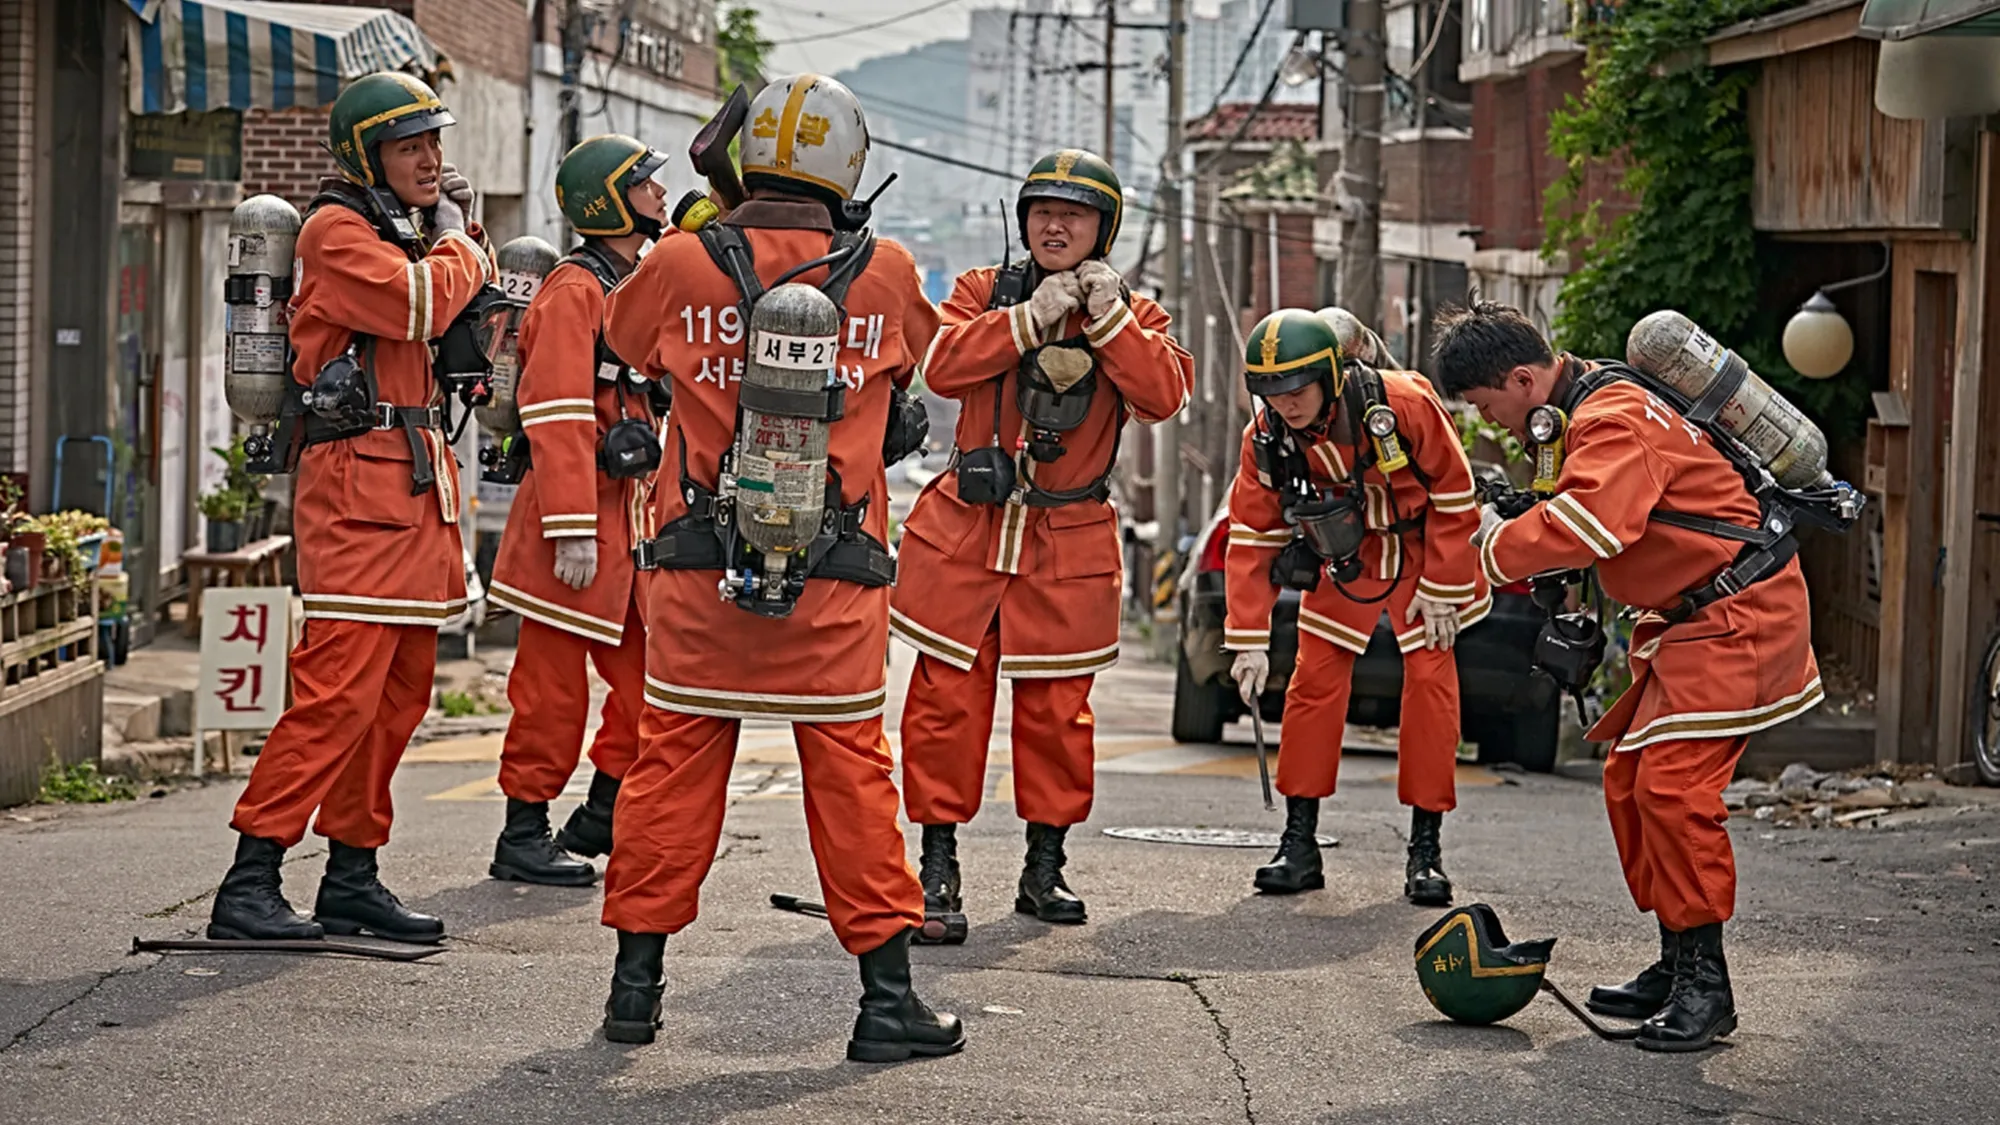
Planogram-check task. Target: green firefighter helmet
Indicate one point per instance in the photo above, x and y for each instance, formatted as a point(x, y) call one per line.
point(1075, 176)
point(380, 107)
point(1469, 971)
point(594, 186)
point(1290, 349)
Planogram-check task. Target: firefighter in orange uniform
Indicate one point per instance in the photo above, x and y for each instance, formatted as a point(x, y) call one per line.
point(387, 260)
point(1353, 488)
point(801, 642)
point(1015, 554)
point(565, 561)
point(1701, 684)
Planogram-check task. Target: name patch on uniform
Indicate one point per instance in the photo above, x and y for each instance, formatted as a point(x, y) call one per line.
point(798, 353)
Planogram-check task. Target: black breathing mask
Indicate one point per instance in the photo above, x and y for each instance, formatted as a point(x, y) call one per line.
point(1333, 528)
point(1051, 413)
point(1569, 646)
point(631, 446)
point(342, 395)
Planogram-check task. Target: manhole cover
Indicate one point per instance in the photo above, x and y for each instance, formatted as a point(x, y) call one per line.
point(1208, 837)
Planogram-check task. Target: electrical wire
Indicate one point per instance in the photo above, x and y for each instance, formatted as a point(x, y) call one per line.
point(1437, 34)
point(858, 28)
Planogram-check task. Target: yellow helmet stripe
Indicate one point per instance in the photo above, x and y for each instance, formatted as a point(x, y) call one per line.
point(788, 122)
point(422, 103)
point(626, 221)
point(1327, 354)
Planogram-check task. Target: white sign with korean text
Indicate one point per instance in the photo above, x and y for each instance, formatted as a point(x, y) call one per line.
point(245, 639)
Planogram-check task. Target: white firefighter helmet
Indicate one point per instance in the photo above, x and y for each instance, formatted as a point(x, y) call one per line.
point(805, 134)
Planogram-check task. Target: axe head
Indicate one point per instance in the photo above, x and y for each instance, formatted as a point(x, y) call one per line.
point(709, 152)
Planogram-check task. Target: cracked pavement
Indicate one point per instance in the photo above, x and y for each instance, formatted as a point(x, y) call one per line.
point(1866, 964)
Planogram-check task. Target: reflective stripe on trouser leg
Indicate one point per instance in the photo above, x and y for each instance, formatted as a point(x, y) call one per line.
point(850, 796)
point(1427, 740)
point(1315, 718)
point(549, 689)
point(1055, 755)
point(668, 820)
point(1681, 817)
point(616, 745)
point(357, 810)
point(338, 674)
point(947, 722)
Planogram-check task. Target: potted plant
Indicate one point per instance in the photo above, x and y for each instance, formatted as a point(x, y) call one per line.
point(236, 475)
point(13, 570)
point(225, 507)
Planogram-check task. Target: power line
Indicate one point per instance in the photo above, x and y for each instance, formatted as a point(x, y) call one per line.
point(858, 28)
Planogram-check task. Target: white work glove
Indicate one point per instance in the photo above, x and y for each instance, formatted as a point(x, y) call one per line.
point(447, 215)
point(1440, 621)
point(1251, 671)
point(1055, 298)
point(453, 185)
point(576, 561)
point(1489, 519)
point(1101, 286)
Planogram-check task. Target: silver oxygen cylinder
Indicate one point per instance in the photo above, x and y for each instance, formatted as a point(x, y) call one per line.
point(1674, 350)
point(779, 465)
point(523, 265)
point(1357, 340)
point(263, 244)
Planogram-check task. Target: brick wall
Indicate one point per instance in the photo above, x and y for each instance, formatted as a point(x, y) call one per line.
point(1511, 166)
point(491, 35)
point(283, 153)
point(1444, 195)
point(17, 214)
point(1298, 268)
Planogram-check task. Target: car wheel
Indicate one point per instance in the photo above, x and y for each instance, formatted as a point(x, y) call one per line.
point(1200, 710)
point(1534, 735)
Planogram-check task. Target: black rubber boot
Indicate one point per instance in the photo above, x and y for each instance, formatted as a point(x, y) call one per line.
point(632, 1014)
point(1700, 1008)
point(251, 905)
point(1424, 880)
point(894, 1024)
point(1644, 995)
point(1296, 867)
point(1043, 892)
point(587, 832)
point(938, 870)
point(352, 900)
point(525, 852)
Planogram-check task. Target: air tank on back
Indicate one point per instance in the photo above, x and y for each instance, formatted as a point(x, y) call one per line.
point(263, 241)
point(1674, 350)
point(522, 264)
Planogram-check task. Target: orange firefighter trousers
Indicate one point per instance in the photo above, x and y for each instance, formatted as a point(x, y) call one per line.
point(358, 692)
point(669, 819)
point(948, 721)
point(550, 693)
point(1667, 816)
point(1316, 718)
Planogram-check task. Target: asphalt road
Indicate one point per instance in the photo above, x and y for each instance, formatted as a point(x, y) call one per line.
point(1867, 963)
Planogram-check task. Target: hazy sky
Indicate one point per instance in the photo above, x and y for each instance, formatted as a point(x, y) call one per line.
point(816, 21)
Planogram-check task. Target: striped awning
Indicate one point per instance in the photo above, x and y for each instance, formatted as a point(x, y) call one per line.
point(243, 54)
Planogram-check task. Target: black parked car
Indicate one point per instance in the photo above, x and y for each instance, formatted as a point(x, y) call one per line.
point(1512, 714)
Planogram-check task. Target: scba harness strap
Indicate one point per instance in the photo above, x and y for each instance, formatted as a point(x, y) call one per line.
point(1331, 529)
point(705, 537)
point(1768, 547)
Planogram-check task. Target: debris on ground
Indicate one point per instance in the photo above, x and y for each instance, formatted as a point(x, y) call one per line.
point(1803, 797)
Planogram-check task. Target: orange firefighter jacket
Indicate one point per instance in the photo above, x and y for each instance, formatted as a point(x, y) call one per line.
point(1741, 664)
point(368, 550)
point(676, 318)
point(1438, 556)
point(567, 403)
point(1072, 551)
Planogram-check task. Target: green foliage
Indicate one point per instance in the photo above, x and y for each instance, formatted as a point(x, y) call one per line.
point(1678, 128)
point(740, 46)
point(230, 501)
point(82, 784)
point(457, 704)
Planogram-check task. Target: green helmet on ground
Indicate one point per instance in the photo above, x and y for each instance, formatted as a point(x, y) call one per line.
point(1290, 349)
point(380, 107)
point(1075, 176)
point(1470, 973)
point(594, 186)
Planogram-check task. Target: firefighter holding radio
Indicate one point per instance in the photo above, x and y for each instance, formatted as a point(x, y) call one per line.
point(769, 593)
point(1353, 489)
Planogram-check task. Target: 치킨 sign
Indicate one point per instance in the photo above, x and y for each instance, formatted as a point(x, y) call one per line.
point(245, 639)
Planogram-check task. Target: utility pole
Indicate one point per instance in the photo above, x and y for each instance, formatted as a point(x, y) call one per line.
point(571, 98)
point(1110, 72)
point(1361, 165)
point(1167, 449)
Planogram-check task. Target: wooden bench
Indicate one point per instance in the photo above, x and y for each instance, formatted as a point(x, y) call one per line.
point(254, 564)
